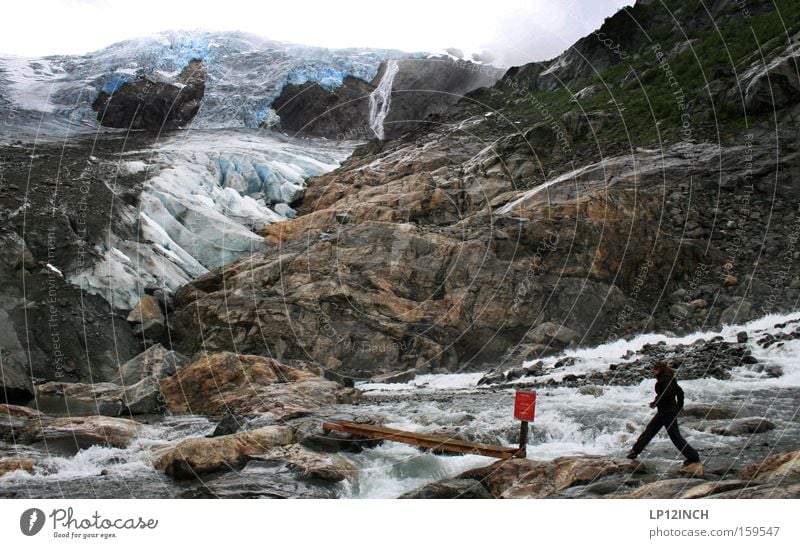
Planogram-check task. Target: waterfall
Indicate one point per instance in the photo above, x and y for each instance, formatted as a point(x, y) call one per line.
point(381, 98)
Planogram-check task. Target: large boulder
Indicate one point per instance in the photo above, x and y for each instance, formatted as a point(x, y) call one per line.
point(780, 467)
point(247, 385)
point(12, 465)
point(523, 478)
point(144, 103)
point(147, 320)
point(194, 456)
point(307, 464)
point(450, 489)
point(113, 400)
point(156, 361)
point(74, 433)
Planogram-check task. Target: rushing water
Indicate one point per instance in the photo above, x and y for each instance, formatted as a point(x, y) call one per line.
point(569, 421)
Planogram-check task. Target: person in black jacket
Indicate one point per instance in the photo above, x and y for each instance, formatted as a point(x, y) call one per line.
point(668, 403)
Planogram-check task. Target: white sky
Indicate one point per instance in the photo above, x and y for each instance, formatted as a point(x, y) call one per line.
point(516, 31)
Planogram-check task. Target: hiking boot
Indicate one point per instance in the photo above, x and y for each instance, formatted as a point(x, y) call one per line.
point(633, 455)
point(687, 462)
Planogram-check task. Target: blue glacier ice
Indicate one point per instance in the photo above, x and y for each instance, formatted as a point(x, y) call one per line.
point(245, 75)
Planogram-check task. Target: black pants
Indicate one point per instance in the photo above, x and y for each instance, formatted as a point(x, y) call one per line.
point(670, 422)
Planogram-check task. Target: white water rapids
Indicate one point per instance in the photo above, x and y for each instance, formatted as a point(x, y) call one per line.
point(569, 421)
point(381, 98)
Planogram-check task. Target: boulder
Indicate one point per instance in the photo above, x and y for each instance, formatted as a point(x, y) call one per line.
point(710, 488)
point(75, 433)
point(395, 377)
point(523, 478)
point(147, 319)
point(247, 385)
point(781, 467)
point(194, 456)
point(102, 398)
point(143, 398)
point(156, 361)
point(742, 427)
point(553, 334)
point(12, 465)
point(450, 489)
point(307, 464)
point(708, 412)
point(665, 489)
point(107, 398)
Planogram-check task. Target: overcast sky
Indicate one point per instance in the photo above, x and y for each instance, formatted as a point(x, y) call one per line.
point(515, 31)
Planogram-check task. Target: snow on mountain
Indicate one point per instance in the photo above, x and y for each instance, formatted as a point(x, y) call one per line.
point(245, 73)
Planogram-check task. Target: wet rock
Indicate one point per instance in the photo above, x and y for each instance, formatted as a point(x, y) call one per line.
point(74, 433)
point(313, 436)
point(12, 465)
point(781, 467)
point(143, 398)
point(549, 333)
point(665, 489)
point(307, 464)
point(708, 412)
point(738, 313)
point(102, 398)
point(522, 478)
point(398, 377)
point(692, 470)
point(230, 423)
point(710, 488)
point(156, 361)
point(450, 489)
point(195, 456)
point(743, 427)
point(741, 337)
point(244, 384)
point(107, 398)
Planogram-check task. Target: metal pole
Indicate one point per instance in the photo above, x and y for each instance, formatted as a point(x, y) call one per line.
point(523, 439)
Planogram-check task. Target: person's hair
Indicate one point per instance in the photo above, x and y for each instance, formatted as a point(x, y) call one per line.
point(663, 367)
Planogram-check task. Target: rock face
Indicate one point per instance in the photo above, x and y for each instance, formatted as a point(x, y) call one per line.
point(147, 104)
point(310, 109)
point(433, 259)
point(243, 384)
point(421, 88)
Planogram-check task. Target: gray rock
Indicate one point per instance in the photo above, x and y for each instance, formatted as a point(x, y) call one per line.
point(156, 361)
point(742, 427)
point(144, 397)
point(450, 489)
point(739, 312)
point(549, 333)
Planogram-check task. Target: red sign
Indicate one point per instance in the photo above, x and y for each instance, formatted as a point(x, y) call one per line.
point(525, 406)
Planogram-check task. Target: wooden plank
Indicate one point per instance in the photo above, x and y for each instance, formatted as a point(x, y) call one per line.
point(427, 441)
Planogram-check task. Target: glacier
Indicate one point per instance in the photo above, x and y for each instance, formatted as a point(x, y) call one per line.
point(206, 195)
point(53, 95)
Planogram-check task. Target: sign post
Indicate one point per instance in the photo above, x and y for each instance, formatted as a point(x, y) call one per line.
point(524, 410)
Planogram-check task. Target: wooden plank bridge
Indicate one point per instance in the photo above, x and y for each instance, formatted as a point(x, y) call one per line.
point(428, 441)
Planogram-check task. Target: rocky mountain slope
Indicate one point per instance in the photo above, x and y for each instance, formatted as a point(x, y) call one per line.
point(509, 230)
